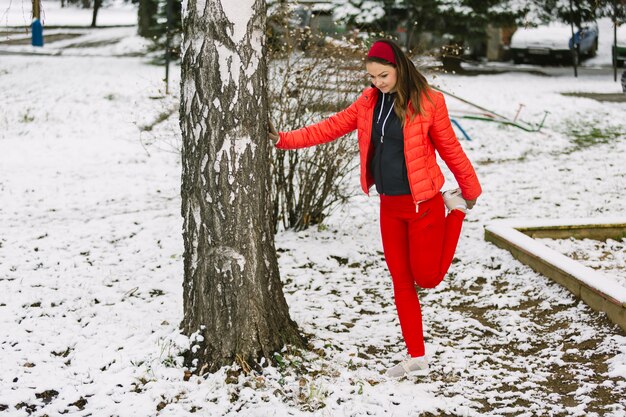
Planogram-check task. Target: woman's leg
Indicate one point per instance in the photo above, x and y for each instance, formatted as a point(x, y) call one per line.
point(394, 225)
point(433, 239)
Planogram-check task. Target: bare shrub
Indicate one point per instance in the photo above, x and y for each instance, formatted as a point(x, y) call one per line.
point(305, 87)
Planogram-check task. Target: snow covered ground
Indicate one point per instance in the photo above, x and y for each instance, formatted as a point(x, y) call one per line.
point(91, 268)
point(113, 13)
point(609, 256)
point(116, 34)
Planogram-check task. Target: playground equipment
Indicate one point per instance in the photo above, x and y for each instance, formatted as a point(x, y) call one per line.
point(487, 115)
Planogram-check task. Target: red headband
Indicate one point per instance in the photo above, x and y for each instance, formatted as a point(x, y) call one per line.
point(382, 50)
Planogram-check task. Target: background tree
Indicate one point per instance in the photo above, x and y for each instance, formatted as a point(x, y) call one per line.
point(537, 12)
point(161, 28)
point(467, 21)
point(85, 4)
point(576, 11)
point(616, 10)
point(423, 16)
point(362, 13)
point(96, 7)
point(147, 18)
point(233, 301)
point(152, 24)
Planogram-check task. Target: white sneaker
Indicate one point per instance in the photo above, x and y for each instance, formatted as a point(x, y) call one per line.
point(454, 200)
point(407, 366)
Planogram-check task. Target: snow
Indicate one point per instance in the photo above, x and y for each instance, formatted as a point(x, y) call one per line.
point(71, 277)
point(605, 43)
point(115, 35)
point(604, 283)
point(608, 256)
point(91, 263)
point(566, 221)
point(362, 11)
point(620, 34)
point(555, 34)
point(618, 363)
point(18, 13)
point(117, 41)
point(455, 6)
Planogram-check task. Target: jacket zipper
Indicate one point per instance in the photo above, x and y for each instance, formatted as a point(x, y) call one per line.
point(386, 117)
point(382, 137)
point(380, 167)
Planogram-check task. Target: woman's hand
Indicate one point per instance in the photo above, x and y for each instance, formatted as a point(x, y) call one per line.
point(272, 133)
point(470, 203)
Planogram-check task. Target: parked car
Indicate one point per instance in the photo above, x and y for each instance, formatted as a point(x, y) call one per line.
point(619, 52)
point(553, 43)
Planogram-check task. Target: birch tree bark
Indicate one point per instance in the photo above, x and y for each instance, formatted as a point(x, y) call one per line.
point(234, 306)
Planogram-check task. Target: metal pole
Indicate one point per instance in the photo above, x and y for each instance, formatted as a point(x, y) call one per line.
point(615, 42)
point(574, 47)
point(167, 46)
point(518, 112)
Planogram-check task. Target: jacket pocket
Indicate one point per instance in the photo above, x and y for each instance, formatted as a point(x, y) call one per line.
point(424, 214)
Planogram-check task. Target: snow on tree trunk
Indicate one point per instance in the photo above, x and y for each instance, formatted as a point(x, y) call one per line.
point(233, 300)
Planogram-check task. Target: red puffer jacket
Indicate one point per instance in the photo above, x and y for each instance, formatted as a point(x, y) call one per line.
point(429, 131)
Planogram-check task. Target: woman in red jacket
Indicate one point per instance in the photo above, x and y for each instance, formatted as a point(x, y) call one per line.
point(401, 122)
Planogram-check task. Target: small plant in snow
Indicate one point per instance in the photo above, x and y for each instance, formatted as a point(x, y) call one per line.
point(317, 394)
point(169, 354)
point(27, 117)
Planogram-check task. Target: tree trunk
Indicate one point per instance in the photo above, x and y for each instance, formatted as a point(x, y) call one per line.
point(96, 7)
point(232, 291)
point(147, 18)
point(37, 9)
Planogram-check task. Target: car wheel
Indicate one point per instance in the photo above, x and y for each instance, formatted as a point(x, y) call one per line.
point(620, 63)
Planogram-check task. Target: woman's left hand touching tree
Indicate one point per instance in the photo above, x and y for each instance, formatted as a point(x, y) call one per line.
point(272, 133)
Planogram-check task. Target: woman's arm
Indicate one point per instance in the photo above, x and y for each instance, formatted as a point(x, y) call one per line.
point(327, 130)
point(448, 146)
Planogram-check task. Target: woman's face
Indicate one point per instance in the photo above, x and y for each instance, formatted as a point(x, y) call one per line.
point(384, 77)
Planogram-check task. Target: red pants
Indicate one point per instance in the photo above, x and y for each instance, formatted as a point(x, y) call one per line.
point(419, 248)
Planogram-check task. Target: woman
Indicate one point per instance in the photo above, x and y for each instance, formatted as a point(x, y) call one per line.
point(401, 121)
